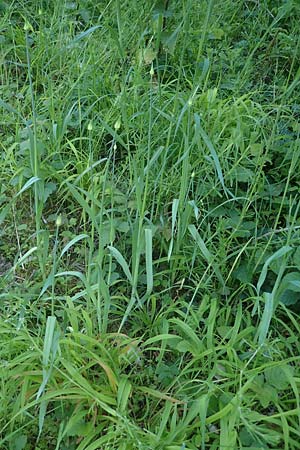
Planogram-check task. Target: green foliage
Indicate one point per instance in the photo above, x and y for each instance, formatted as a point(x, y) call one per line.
point(149, 212)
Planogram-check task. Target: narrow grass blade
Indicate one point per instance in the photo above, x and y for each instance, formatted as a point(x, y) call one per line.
point(153, 159)
point(210, 335)
point(72, 242)
point(48, 340)
point(206, 253)
point(165, 417)
point(42, 414)
point(264, 325)
point(117, 255)
point(83, 35)
point(89, 169)
point(124, 390)
point(4, 211)
point(188, 332)
point(72, 273)
point(149, 263)
point(104, 290)
point(80, 199)
point(49, 353)
point(24, 257)
point(11, 109)
point(129, 308)
point(201, 244)
point(294, 385)
point(157, 394)
point(203, 404)
point(27, 185)
point(175, 205)
point(48, 282)
point(114, 134)
point(200, 131)
point(84, 384)
point(281, 252)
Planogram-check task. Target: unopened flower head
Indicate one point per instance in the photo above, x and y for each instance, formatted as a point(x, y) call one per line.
point(58, 221)
point(117, 125)
point(27, 26)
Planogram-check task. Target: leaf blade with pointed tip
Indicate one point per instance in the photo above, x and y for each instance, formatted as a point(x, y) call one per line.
point(72, 242)
point(278, 254)
point(120, 259)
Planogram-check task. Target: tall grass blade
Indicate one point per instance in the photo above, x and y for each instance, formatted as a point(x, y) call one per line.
point(117, 255)
point(266, 318)
point(49, 352)
point(175, 205)
point(83, 35)
point(206, 253)
point(149, 262)
point(74, 241)
point(24, 257)
point(203, 404)
point(27, 185)
point(200, 131)
point(278, 254)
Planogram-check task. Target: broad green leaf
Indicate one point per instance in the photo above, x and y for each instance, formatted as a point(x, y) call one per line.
point(19, 442)
point(278, 377)
point(289, 289)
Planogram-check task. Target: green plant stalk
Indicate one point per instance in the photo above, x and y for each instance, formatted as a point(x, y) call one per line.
point(119, 23)
point(54, 267)
point(93, 208)
point(203, 37)
point(35, 163)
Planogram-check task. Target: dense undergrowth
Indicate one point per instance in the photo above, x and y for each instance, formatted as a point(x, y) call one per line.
point(150, 225)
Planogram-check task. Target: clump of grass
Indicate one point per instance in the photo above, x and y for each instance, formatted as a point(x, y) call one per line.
point(149, 225)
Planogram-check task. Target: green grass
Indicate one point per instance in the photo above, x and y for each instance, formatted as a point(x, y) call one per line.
point(149, 225)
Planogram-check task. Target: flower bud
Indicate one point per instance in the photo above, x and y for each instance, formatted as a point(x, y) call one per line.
point(117, 125)
point(58, 221)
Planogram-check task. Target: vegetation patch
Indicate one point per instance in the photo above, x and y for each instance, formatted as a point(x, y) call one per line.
point(149, 225)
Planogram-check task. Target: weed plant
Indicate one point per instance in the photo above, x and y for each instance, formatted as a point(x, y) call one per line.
point(150, 227)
